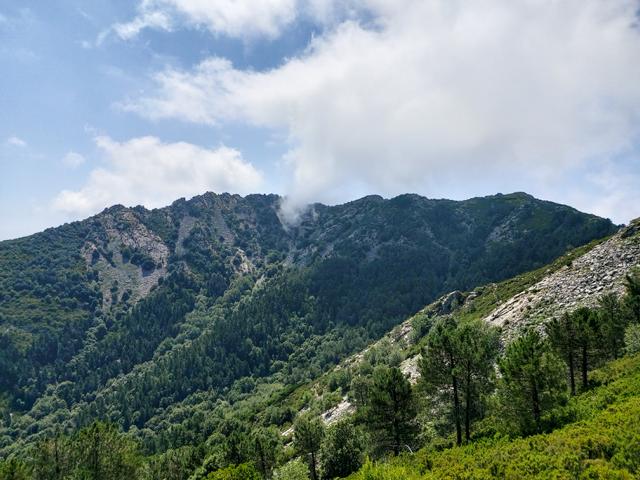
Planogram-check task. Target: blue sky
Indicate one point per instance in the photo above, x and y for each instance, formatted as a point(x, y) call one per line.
point(143, 102)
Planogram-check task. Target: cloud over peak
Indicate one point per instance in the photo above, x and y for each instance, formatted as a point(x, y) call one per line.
point(433, 92)
point(147, 171)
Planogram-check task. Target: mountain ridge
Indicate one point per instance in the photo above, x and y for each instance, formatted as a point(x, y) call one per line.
point(132, 312)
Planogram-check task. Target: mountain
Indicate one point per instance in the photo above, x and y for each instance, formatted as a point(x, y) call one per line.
point(157, 319)
point(589, 434)
point(581, 278)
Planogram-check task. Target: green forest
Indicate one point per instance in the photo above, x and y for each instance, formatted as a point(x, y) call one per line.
point(208, 348)
point(563, 402)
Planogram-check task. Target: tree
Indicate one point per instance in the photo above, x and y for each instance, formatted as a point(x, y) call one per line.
point(631, 304)
point(245, 471)
point(266, 445)
point(390, 411)
point(532, 380)
point(14, 469)
point(293, 470)
point(103, 453)
point(236, 443)
point(477, 343)
point(52, 458)
point(439, 367)
point(308, 433)
point(175, 464)
point(458, 360)
point(632, 339)
point(97, 452)
point(587, 331)
point(562, 334)
point(342, 450)
point(612, 322)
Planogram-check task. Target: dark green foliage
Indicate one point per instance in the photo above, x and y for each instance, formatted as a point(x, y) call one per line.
point(562, 334)
point(246, 471)
point(342, 450)
point(457, 364)
point(14, 469)
point(242, 302)
point(631, 304)
point(477, 349)
point(266, 446)
point(137, 257)
point(439, 368)
point(175, 464)
point(532, 382)
point(604, 442)
point(307, 440)
point(98, 452)
point(632, 339)
point(390, 410)
point(612, 323)
point(587, 337)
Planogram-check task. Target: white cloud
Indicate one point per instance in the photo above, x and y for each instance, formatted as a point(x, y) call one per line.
point(235, 18)
point(151, 19)
point(73, 160)
point(152, 173)
point(16, 142)
point(433, 93)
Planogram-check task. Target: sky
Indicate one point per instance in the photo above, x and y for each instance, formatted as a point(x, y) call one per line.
point(141, 102)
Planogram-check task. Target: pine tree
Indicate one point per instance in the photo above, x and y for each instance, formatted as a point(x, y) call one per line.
point(631, 303)
point(390, 412)
point(532, 381)
point(439, 367)
point(342, 450)
point(562, 334)
point(307, 439)
point(477, 345)
point(588, 335)
point(613, 323)
point(265, 446)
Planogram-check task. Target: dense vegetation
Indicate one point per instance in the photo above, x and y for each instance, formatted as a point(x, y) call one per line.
point(593, 434)
point(183, 327)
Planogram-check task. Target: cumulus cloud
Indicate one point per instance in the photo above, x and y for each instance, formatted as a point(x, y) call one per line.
point(432, 92)
point(152, 173)
point(16, 142)
point(73, 160)
point(235, 18)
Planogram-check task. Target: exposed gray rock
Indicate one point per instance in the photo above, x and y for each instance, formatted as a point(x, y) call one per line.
point(581, 283)
point(124, 229)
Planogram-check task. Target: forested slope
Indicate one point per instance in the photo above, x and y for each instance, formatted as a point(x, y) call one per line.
point(160, 321)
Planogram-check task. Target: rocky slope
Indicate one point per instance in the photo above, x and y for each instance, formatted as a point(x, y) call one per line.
point(578, 279)
point(581, 282)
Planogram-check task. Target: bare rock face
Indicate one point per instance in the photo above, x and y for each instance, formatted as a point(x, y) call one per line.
point(344, 408)
point(117, 276)
point(411, 368)
point(581, 283)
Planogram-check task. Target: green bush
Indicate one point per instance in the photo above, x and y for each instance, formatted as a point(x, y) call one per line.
point(294, 470)
point(632, 339)
point(246, 471)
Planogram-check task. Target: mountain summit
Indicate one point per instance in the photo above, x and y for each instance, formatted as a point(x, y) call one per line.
point(133, 314)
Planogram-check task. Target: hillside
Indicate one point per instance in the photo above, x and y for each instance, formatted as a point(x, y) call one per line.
point(580, 278)
point(601, 442)
point(165, 321)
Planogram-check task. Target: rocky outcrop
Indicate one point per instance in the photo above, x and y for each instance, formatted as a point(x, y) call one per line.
point(331, 416)
point(116, 276)
point(581, 282)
